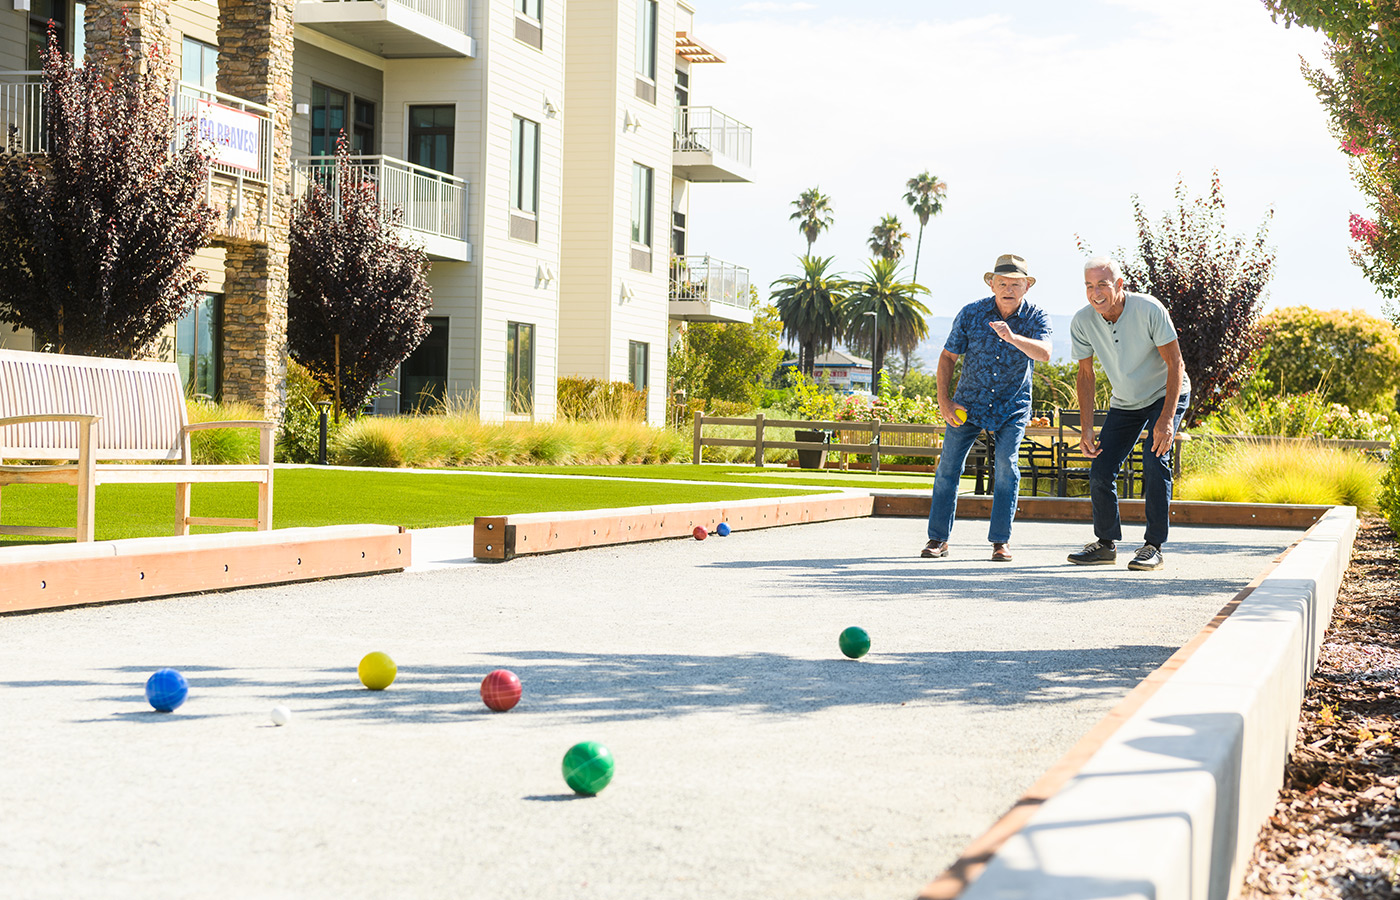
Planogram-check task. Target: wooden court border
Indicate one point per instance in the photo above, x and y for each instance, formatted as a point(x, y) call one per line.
point(50, 576)
point(500, 538)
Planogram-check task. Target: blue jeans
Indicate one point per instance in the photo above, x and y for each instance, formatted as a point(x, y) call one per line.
point(1005, 486)
point(1121, 430)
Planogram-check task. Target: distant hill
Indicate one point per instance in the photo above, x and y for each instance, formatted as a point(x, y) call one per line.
point(939, 327)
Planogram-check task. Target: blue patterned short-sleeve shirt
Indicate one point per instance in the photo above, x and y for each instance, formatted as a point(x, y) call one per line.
point(995, 385)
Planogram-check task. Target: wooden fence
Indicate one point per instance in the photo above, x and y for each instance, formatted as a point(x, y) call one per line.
point(880, 442)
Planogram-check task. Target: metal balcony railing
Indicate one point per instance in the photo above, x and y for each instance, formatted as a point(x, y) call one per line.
point(195, 102)
point(433, 202)
point(452, 13)
point(706, 129)
point(710, 280)
point(22, 108)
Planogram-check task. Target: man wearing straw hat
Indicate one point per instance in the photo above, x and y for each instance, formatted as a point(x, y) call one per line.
point(999, 339)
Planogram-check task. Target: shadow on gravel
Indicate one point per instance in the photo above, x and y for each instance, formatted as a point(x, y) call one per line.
point(944, 579)
point(600, 687)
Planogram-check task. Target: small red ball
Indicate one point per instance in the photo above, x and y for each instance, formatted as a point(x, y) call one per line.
point(700, 533)
point(500, 690)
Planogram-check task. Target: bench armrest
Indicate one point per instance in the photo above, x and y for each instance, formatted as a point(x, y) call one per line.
point(264, 439)
point(238, 423)
point(81, 418)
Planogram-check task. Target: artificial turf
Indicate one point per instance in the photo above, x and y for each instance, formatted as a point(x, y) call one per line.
point(311, 496)
point(772, 474)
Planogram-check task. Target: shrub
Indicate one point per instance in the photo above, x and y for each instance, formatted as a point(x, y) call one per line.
point(592, 399)
point(1307, 415)
point(299, 438)
point(1388, 500)
point(1347, 356)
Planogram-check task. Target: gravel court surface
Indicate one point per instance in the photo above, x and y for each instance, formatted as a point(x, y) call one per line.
point(753, 760)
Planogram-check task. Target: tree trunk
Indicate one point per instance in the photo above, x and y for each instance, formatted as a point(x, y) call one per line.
point(918, 248)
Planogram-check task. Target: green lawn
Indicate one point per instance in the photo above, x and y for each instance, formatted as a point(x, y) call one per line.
point(331, 497)
point(771, 474)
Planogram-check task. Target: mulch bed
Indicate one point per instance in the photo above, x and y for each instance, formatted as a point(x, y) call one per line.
point(1336, 830)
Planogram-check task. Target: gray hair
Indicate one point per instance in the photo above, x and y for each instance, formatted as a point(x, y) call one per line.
point(1104, 262)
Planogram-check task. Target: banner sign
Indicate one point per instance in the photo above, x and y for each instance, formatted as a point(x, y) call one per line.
point(235, 134)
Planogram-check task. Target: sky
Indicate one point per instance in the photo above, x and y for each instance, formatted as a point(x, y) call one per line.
point(1044, 118)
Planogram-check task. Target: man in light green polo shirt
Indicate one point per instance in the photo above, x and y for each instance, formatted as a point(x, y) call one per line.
point(1134, 339)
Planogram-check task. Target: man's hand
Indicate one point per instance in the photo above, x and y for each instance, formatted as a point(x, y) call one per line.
point(950, 412)
point(1162, 436)
point(1002, 329)
point(1088, 444)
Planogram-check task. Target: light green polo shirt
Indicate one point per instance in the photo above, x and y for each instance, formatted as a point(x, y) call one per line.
point(1127, 349)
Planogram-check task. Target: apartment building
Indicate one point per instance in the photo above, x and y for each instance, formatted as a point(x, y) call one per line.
point(530, 145)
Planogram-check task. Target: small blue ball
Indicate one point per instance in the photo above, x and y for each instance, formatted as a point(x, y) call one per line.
point(722, 529)
point(166, 689)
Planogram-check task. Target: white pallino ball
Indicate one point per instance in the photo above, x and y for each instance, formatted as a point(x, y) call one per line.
point(281, 715)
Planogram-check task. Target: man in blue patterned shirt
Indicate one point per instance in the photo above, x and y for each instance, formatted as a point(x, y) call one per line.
point(999, 339)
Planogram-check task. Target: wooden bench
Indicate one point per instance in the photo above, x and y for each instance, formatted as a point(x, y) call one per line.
point(111, 421)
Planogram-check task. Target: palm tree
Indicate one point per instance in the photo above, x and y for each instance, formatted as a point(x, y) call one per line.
point(925, 198)
point(887, 239)
point(809, 306)
point(814, 215)
point(896, 309)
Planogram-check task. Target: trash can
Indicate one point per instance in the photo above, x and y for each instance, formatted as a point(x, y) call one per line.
point(816, 457)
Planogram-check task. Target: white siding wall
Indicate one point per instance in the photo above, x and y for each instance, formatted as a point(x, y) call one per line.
point(589, 287)
point(599, 325)
point(518, 80)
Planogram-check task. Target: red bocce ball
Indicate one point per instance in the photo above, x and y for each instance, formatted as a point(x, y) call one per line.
point(500, 690)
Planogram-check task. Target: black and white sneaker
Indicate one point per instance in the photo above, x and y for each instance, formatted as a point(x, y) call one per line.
point(1098, 553)
point(1147, 558)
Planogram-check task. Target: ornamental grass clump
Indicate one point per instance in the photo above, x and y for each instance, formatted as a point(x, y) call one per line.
point(1302, 474)
point(236, 446)
point(457, 437)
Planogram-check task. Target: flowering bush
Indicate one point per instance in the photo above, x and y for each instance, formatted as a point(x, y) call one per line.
point(1306, 415)
point(817, 402)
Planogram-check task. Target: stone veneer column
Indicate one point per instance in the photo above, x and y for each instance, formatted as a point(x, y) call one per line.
point(149, 22)
point(255, 63)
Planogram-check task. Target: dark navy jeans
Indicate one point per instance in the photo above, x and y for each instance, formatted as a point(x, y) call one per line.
point(1121, 430)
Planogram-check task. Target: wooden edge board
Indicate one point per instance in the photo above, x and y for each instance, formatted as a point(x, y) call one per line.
point(1078, 509)
point(978, 854)
point(35, 584)
point(499, 538)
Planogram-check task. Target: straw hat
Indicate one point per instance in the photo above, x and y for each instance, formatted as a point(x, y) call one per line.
point(1010, 266)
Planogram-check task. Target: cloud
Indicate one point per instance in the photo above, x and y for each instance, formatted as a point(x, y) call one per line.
point(777, 7)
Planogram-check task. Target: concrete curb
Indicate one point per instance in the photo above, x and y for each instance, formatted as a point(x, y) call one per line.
point(1170, 805)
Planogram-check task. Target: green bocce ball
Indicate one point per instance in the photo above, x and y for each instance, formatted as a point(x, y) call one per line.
point(855, 643)
point(588, 767)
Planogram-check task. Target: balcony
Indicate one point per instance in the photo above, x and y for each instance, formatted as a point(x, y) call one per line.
point(705, 289)
point(393, 29)
point(239, 131)
point(434, 204)
point(711, 147)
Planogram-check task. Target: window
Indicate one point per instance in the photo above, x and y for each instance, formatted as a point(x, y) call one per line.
point(423, 375)
point(327, 118)
point(528, 23)
point(40, 14)
point(677, 234)
point(362, 139)
point(637, 364)
point(641, 204)
point(520, 368)
point(79, 33)
point(431, 134)
point(198, 346)
point(682, 88)
point(646, 39)
point(199, 64)
point(646, 50)
point(525, 166)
